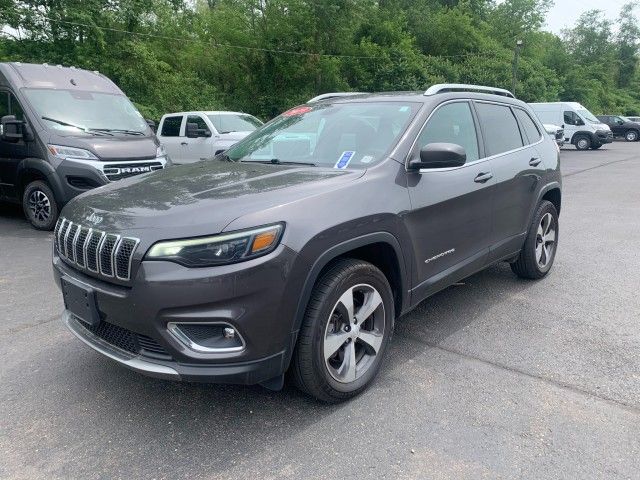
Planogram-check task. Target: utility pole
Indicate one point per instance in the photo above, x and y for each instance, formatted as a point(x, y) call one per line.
point(516, 56)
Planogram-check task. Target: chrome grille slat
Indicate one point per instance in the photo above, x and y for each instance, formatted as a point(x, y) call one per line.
point(106, 254)
point(78, 246)
point(65, 245)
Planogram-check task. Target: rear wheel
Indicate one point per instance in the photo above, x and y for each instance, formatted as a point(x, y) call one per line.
point(539, 251)
point(345, 332)
point(631, 136)
point(39, 205)
point(583, 142)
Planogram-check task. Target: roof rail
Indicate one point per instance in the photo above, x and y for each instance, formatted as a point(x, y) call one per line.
point(325, 96)
point(461, 87)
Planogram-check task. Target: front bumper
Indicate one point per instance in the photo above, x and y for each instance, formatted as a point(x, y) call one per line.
point(603, 137)
point(247, 373)
point(248, 296)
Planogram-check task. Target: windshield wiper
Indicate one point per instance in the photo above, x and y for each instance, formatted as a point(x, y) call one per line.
point(117, 130)
point(276, 161)
point(67, 124)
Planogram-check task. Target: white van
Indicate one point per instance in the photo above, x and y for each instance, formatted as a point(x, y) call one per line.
point(581, 127)
point(192, 136)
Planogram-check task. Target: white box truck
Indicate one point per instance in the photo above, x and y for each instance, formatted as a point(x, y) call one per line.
point(581, 128)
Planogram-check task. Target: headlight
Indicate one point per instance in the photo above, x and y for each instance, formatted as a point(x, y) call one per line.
point(161, 151)
point(63, 152)
point(220, 249)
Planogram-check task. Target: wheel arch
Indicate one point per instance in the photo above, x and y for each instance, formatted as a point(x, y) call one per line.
point(31, 169)
point(381, 249)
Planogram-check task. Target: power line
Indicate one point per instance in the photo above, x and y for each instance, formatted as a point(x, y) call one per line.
point(248, 48)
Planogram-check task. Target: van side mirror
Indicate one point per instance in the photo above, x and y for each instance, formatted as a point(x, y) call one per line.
point(192, 131)
point(12, 129)
point(152, 124)
point(439, 155)
point(579, 122)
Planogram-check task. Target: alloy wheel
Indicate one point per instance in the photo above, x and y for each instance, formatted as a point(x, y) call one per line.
point(545, 240)
point(632, 136)
point(39, 206)
point(354, 333)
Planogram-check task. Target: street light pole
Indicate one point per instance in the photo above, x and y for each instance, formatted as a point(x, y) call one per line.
point(516, 56)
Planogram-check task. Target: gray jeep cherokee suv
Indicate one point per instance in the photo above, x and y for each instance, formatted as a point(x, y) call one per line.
point(298, 248)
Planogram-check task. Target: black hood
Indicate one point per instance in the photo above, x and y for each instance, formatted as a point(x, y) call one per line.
point(200, 198)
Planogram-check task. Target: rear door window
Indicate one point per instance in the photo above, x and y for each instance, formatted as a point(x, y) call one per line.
point(501, 131)
point(531, 131)
point(171, 126)
point(452, 123)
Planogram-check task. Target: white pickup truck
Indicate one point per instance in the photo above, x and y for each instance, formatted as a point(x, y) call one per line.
point(192, 136)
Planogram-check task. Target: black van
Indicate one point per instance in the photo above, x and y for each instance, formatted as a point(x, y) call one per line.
point(65, 131)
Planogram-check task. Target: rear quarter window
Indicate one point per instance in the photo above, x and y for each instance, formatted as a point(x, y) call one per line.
point(531, 131)
point(501, 131)
point(171, 126)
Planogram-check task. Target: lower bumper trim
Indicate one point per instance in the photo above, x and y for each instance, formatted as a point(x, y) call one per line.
point(133, 362)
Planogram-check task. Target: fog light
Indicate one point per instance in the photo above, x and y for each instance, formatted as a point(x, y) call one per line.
point(204, 337)
point(229, 332)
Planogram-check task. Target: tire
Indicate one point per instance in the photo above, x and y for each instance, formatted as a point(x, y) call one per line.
point(631, 136)
point(40, 206)
point(328, 378)
point(530, 264)
point(582, 142)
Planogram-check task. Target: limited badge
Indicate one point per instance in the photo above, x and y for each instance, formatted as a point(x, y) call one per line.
point(344, 160)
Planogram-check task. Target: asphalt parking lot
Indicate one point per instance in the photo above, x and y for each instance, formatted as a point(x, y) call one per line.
point(494, 378)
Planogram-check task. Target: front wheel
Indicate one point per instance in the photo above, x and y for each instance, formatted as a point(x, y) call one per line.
point(631, 136)
point(539, 251)
point(345, 332)
point(583, 143)
point(40, 206)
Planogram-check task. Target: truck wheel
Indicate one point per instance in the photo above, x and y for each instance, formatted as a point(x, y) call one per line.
point(583, 143)
point(631, 136)
point(345, 332)
point(40, 206)
point(539, 250)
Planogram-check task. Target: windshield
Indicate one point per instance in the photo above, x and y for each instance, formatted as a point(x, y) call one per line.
point(227, 123)
point(73, 111)
point(588, 116)
point(330, 135)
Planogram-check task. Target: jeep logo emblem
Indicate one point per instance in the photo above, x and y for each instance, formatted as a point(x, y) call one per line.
point(95, 219)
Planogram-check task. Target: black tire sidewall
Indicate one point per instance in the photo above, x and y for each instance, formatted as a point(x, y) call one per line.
point(44, 188)
point(543, 209)
point(368, 274)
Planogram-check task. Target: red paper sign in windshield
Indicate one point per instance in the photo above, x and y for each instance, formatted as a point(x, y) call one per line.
point(297, 111)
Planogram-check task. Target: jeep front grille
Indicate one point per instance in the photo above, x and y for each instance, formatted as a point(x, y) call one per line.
point(99, 252)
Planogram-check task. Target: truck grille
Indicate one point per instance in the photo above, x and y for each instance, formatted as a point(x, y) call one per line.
point(99, 252)
point(118, 171)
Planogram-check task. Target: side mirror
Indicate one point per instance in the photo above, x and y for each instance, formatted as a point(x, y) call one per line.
point(579, 122)
point(439, 155)
point(12, 129)
point(192, 131)
point(152, 124)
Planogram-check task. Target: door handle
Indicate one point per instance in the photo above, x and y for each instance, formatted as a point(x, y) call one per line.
point(184, 143)
point(483, 177)
point(534, 162)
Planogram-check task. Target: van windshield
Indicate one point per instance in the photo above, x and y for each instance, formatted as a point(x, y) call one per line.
point(73, 111)
point(349, 135)
point(588, 116)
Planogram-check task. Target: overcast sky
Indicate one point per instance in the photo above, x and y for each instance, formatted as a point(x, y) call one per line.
point(566, 12)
